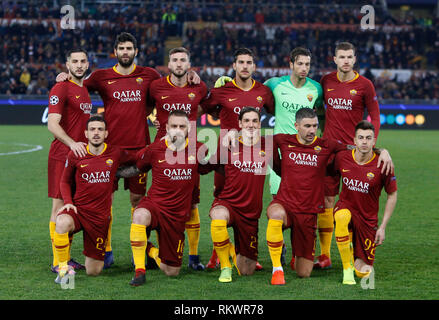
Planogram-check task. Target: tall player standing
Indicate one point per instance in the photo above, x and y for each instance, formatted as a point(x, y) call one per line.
point(69, 109)
point(347, 96)
point(175, 93)
point(229, 99)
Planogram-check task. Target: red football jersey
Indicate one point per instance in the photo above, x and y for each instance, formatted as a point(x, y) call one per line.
point(231, 99)
point(125, 100)
point(245, 172)
point(361, 186)
point(168, 97)
point(174, 175)
point(346, 103)
point(303, 169)
point(88, 182)
point(73, 103)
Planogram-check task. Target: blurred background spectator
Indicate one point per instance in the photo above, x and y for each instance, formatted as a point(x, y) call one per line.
point(404, 38)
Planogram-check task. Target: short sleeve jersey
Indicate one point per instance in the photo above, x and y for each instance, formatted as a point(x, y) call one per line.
point(174, 175)
point(303, 169)
point(168, 97)
point(289, 99)
point(73, 103)
point(125, 100)
point(362, 185)
point(231, 99)
point(346, 103)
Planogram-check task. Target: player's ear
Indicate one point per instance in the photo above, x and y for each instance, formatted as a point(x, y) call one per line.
point(291, 65)
point(106, 134)
point(136, 52)
point(240, 124)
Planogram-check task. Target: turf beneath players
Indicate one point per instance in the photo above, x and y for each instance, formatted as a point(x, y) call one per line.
point(404, 266)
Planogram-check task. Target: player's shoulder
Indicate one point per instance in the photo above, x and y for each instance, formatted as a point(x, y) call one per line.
point(329, 76)
point(365, 81)
point(148, 71)
point(315, 84)
point(61, 87)
point(275, 81)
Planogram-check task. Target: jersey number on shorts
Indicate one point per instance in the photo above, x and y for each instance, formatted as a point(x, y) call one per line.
point(370, 248)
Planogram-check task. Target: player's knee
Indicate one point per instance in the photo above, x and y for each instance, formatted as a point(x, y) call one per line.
point(93, 271)
point(64, 223)
point(171, 272)
point(342, 217)
point(219, 213)
point(276, 212)
point(304, 273)
point(142, 216)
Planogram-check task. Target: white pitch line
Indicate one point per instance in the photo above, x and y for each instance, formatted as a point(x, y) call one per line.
point(34, 148)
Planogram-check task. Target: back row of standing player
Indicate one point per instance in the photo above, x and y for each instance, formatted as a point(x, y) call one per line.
point(129, 93)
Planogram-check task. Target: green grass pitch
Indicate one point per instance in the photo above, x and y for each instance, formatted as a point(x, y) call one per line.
point(404, 267)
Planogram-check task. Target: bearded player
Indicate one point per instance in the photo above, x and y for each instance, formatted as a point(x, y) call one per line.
point(174, 92)
point(174, 162)
point(347, 96)
point(69, 109)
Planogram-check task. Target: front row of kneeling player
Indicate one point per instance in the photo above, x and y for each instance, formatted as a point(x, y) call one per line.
point(176, 162)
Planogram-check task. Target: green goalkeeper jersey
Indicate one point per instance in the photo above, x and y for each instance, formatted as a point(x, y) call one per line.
point(289, 99)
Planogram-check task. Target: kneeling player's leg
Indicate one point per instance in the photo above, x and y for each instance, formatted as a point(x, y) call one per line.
point(64, 225)
point(138, 238)
point(362, 269)
point(220, 237)
point(245, 265)
point(342, 220)
point(93, 267)
point(277, 217)
point(304, 241)
point(56, 205)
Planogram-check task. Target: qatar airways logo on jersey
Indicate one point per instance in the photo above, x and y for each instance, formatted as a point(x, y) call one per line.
point(128, 95)
point(178, 174)
point(86, 107)
point(340, 103)
point(96, 177)
point(237, 110)
point(178, 106)
point(249, 166)
point(304, 159)
point(356, 185)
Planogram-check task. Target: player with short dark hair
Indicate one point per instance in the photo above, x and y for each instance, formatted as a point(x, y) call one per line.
point(230, 98)
point(239, 204)
point(69, 109)
point(356, 213)
point(347, 96)
point(86, 188)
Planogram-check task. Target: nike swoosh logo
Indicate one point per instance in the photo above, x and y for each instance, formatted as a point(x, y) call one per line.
point(77, 97)
point(232, 99)
point(110, 82)
point(290, 146)
point(330, 89)
point(83, 165)
point(345, 170)
point(160, 161)
point(164, 97)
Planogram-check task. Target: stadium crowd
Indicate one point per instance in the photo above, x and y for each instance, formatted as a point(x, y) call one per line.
point(32, 54)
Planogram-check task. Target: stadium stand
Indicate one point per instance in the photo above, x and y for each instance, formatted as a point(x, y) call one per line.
point(404, 39)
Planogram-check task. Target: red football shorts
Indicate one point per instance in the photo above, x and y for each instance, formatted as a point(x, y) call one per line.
point(55, 169)
point(363, 236)
point(94, 234)
point(218, 180)
point(245, 231)
point(136, 184)
point(170, 233)
point(332, 179)
point(303, 231)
